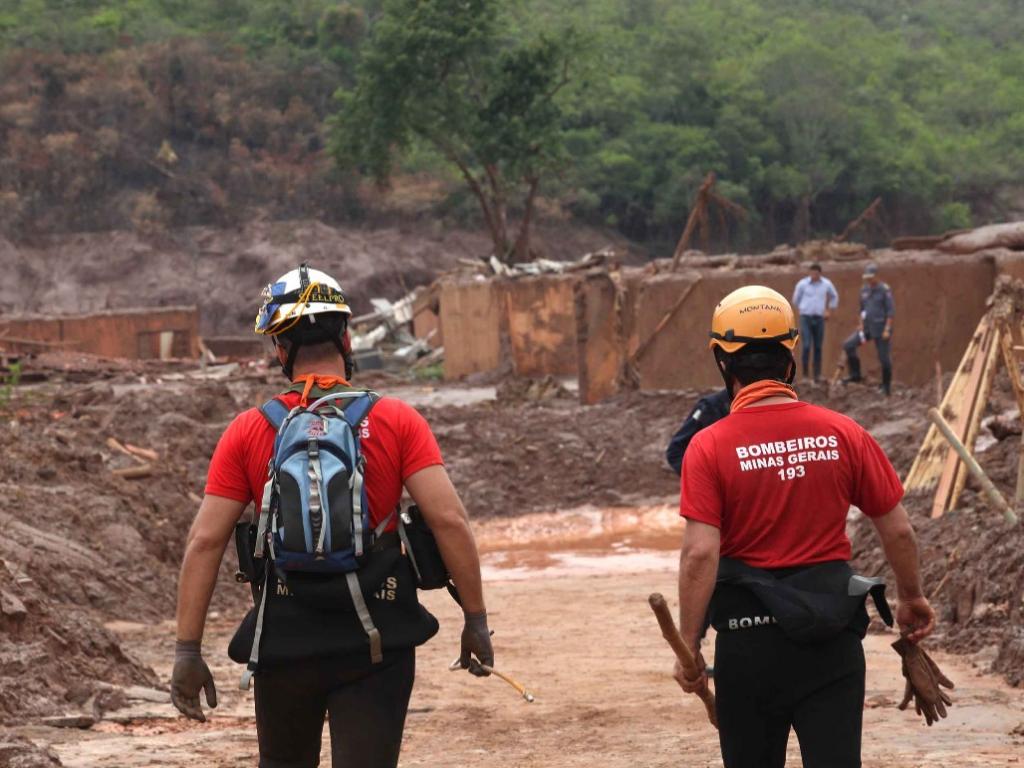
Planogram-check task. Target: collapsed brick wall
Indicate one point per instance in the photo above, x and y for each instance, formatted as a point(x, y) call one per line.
point(132, 334)
point(526, 324)
point(938, 299)
point(590, 324)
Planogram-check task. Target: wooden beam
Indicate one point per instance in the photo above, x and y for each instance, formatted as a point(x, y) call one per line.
point(642, 349)
point(979, 474)
point(962, 415)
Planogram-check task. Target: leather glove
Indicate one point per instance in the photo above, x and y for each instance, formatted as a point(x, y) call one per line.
point(189, 676)
point(924, 682)
point(476, 641)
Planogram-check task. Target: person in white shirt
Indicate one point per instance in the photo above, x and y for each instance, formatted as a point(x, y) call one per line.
point(814, 299)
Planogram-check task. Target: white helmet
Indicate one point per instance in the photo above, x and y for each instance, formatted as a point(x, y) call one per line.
point(303, 292)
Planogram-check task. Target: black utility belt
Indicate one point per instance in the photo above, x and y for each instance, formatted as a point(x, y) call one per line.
point(738, 623)
point(809, 604)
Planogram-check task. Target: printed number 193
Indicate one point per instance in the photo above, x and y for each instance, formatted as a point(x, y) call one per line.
point(792, 473)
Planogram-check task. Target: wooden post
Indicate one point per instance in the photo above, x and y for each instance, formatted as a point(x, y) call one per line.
point(1019, 495)
point(972, 465)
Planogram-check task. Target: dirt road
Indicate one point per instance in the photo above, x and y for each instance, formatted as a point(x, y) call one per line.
point(568, 603)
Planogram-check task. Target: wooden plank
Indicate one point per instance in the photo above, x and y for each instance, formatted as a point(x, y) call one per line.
point(1006, 339)
point(961, 424)
point(928, 464)
point(977, 411)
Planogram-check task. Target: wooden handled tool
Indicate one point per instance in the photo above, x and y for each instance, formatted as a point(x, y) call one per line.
point(683, 653)
point(520, 688)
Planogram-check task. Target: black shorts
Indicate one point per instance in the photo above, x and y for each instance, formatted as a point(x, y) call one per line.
point(766, 684)
point(366, 703)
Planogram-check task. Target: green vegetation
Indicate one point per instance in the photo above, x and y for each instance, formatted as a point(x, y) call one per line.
point(805, 109)
point(443, 73)
point(9, 379)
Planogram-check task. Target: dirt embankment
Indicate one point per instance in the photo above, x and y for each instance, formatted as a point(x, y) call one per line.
point(222, 271)
point(84, 547)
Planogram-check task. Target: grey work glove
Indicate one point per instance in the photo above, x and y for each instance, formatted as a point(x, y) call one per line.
point(476, 641)
point(191, 675)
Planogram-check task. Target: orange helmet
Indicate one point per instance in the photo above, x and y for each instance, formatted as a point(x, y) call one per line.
point(750, 314)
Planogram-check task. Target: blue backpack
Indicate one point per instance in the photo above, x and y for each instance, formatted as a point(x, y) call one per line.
point(314, 517)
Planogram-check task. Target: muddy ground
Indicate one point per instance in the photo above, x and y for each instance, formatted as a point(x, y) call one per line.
point(85, 548)
point(601, 676)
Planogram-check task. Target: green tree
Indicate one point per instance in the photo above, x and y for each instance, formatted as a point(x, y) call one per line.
point(446, 73)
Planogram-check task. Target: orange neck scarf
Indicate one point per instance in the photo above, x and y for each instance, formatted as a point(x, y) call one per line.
point(759, 390)
point(323, 382)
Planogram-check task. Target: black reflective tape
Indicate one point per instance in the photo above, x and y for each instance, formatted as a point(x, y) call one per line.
point(319, 295)
point(730, 335)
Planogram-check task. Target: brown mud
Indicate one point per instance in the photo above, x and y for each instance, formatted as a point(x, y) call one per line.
point(586, 645)
point(86, 551)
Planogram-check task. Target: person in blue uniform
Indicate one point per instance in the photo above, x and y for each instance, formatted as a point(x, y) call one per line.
point(706, 412)
point(876, 314)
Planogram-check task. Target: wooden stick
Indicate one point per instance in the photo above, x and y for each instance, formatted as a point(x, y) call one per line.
point(683, 653)
point(975, 469)
point(511, 681)
point(141, 455)
point(642, 349)
point(699, 203)
point(145, 453)
point(938, 383)
point(134, 473)
point(457, 665)
point(1019, 495)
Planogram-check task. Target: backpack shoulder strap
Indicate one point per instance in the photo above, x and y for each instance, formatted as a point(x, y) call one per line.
point(275, 412)
point(358, 408)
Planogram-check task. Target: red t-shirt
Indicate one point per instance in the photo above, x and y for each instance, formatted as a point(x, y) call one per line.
point(778, 480)
point(395, 440)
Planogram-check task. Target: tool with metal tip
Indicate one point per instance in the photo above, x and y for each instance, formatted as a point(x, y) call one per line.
point(683, 653)
point(520, 688)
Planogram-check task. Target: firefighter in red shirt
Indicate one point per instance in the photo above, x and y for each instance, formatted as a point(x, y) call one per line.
point(765, 494)
point(316, 672)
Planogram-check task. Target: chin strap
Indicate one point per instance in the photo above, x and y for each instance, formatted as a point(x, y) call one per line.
point(725, 364)
point(343, 344)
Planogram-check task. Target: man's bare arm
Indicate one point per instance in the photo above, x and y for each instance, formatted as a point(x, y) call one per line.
point(209, 536)
point(914, 614)
point(433, 492)
point(698, 569)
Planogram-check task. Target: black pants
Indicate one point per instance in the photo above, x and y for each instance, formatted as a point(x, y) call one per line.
point(884, 347)
point(765, 684)
point(367, 705)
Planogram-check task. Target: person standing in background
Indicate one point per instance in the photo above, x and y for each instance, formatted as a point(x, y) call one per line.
point(814, 298)
point(876, 314)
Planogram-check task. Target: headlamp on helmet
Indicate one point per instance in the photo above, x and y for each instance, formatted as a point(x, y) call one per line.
point(303, 292)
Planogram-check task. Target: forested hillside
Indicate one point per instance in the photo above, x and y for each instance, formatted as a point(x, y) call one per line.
point(161, 113)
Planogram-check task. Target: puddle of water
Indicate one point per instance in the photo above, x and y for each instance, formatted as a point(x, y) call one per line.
point(582, 541)
point(437, 397)
point(508, 567)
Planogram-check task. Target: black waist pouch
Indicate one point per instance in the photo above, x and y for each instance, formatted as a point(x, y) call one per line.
point(809, 605)
point(424, 554)
point(312, 615)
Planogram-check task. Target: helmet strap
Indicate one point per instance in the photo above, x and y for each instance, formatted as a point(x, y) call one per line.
point(288, 366)
point(339, 342)
point(724, 362)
